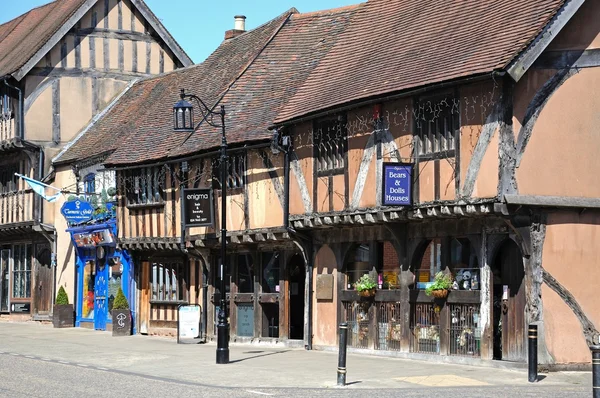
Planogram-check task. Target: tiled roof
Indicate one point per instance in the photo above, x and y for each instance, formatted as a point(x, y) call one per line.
point(139, 127)
point(23, 36)
point(253, 75)
point(255, 99)
point(395, 45)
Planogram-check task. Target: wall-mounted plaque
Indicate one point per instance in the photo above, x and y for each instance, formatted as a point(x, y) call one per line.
point(325, 287)
point(245, 320)
point(24, 308)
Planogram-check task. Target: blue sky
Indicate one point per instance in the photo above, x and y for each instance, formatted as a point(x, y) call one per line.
point(199, 25)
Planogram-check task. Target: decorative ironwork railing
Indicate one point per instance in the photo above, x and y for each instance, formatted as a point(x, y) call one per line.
point(465, 334)
point(425, 328)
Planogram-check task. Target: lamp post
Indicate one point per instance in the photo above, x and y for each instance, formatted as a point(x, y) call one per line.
point(183, 119)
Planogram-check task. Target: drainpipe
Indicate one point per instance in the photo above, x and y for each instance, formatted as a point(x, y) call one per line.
point(286, 182)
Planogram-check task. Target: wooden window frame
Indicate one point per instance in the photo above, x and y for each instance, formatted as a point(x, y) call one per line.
point(21, 270)
point(236, 171)
point(9, 182)
point(144, 190)
point(169, 281)
point(330, 155)
point(7, 111)
point(437, 129)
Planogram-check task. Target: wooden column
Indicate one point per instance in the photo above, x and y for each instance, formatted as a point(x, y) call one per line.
point(284, 297)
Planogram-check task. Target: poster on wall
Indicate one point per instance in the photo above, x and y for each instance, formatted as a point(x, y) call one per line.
point(397, 184)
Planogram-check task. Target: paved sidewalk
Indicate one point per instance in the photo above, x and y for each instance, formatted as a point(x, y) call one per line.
point(254, 365)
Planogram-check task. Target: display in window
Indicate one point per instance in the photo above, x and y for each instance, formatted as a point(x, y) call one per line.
point(88, 290)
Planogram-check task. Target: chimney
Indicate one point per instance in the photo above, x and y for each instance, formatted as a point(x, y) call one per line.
point(238, 28)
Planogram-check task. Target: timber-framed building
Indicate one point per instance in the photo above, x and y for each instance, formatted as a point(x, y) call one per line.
point(483, 123)
point(61, 65)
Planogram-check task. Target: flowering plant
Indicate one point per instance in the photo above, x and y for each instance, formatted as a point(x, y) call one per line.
point(365, 283)
point(440, 282)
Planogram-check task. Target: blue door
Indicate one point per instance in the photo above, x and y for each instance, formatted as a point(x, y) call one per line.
point(100, 294)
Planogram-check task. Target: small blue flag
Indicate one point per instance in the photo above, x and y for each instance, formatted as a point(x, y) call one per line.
point(40, 188)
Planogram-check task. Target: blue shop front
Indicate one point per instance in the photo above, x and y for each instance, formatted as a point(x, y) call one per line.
point(101, 270)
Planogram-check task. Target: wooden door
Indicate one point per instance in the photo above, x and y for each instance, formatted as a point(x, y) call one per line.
point(510, 264)
point(44, 280)
point(145, 295)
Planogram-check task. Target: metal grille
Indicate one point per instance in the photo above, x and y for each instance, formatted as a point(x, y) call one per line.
point(465, 335)
point(357, 316)
point(425, 329)
point(389, 331)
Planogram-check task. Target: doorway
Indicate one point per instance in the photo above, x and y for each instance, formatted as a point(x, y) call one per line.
point(4, 279)
point(296, 275)
point(100, 295)
point(509, 303)
point(44, 279)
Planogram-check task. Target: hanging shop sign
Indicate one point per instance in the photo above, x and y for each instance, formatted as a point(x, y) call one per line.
point(77, 211)
point(197, 207)
point(397, 184)
point(94, 239)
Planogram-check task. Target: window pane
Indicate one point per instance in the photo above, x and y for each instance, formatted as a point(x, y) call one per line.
point(245, 276)
point(270, 273)
point(154, 282)
point(431, 263)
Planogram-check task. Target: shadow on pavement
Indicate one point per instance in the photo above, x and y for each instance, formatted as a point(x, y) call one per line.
point(258, 356)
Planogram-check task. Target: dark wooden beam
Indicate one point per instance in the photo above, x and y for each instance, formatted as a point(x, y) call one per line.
point(56, 111)
point(74, 72)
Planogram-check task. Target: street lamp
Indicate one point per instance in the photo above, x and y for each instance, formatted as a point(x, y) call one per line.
point(183, 120)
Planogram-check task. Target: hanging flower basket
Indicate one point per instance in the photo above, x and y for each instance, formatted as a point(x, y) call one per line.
point(367, 293)
point(440, 293)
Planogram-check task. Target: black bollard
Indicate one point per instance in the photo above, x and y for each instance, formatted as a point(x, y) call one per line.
point(595, 370)
point(341, 372)
point(533, 353)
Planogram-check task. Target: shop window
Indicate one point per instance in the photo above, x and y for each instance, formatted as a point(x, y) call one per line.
point(89, 270)
point(329, 140)
point(236, 171)
point(22, 271)
point(270, 272)
point(436, 126)
point(431, 263)
point(245, 274)
point(8, 179)
point(168, 281)
point(464, 264)
point(358, 264)
point(391, 266)
point(145, 185)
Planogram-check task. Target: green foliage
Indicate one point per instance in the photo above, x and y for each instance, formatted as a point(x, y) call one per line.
point(94, 201)
point(440, 282)
point(104, 196)
point(71, 198)
point(120, 302)
point(365, 283)
point(61, 297)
